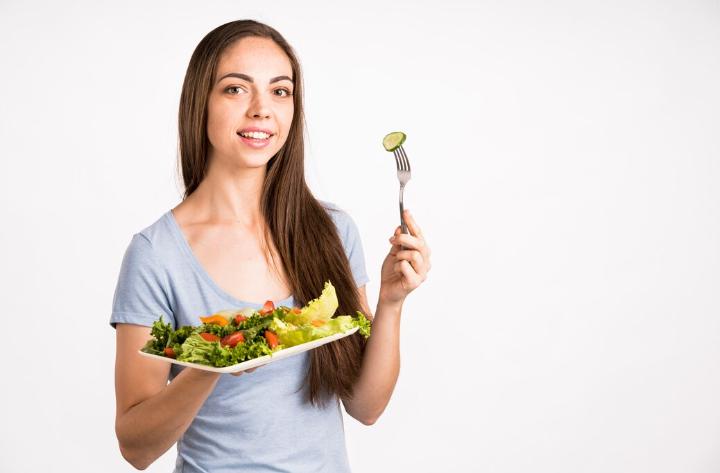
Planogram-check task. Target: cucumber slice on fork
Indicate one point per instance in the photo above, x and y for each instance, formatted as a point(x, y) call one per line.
point(392, 141)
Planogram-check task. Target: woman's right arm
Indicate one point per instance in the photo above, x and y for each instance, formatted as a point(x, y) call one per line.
point(151, 414)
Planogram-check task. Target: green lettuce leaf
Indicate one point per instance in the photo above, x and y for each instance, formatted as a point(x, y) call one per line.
point(321, 308)
point(198, 350)
point(290, 335)
point(162, 334)
point(250, 350)
point(361, 321)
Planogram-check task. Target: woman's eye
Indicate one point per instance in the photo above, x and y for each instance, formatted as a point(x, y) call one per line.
point(284, 92)
point(230, 89)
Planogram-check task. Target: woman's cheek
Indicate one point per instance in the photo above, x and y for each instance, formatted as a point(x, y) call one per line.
point(220, 127)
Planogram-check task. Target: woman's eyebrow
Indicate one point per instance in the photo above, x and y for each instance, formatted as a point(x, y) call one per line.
point(250, 79)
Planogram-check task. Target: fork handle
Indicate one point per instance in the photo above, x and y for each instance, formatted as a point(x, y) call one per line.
point(403, 226)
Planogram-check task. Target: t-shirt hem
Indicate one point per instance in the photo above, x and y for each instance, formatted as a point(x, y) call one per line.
point(135, 318)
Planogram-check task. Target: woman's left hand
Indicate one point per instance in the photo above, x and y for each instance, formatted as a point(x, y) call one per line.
point(404, 269)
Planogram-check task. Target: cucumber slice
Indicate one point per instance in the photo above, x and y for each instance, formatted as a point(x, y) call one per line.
point(392, 141)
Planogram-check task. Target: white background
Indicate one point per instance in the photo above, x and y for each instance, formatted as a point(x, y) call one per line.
point(565, 170)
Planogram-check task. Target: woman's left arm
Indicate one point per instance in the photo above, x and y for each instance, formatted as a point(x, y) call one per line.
point(402, 271)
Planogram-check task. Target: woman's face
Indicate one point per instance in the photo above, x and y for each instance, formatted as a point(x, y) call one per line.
point(251, 98)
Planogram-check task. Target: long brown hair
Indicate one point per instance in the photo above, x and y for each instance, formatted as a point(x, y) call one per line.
point(305, 236)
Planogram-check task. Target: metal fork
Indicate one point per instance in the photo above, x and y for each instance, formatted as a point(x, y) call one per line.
point(403, 173)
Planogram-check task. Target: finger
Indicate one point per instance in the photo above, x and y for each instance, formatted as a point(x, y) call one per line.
point(398, 231)
point(412, 224)
point(415, 258)
point(410, 279)
point(409, 242)
point(238, 373)
point(394, 248)
point(416, 232)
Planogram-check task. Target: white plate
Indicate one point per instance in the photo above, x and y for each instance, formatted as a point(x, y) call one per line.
point(263, 360)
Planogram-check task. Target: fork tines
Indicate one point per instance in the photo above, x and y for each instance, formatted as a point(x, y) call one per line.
point(401, 159)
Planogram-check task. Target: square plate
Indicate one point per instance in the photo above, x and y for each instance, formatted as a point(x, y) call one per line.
point(263, 360)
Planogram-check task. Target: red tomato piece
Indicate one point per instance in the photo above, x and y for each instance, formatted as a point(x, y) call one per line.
point(210, 337)
point(271, 338)
point(233, 339)
point(169, 352)
point(240, 319)
point(267, 308)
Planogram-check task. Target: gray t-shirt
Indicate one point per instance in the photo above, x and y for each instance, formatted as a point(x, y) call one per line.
point(257, 422)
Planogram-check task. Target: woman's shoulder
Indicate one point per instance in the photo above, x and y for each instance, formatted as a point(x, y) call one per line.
point(346, 227)
point(342, 219)
point(143, 290)
point(154, 242)
point(158, 231)
point(351, 241)
point(329, 206)
point(335, 211)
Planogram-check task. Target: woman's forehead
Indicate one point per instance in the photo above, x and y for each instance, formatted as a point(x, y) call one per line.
point(259, 58)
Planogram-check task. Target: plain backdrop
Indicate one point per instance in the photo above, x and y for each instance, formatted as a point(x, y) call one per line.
point(565, 163)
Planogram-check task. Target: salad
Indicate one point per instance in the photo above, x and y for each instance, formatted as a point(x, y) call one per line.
point(232, 336)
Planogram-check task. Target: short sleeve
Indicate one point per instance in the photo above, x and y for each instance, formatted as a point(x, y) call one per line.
point(140, 295)
point(350, 236)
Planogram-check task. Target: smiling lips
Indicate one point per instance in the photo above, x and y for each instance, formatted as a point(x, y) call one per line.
point(255, 137)
point(256, 133)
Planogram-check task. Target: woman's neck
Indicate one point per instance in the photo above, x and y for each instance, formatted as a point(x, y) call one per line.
point(227, 195)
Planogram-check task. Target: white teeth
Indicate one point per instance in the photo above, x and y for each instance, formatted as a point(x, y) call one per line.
point(258, 135)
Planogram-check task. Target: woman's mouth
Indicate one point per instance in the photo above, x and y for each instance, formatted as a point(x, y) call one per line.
point(256, 139)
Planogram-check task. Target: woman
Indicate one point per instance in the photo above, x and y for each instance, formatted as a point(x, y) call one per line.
point(249, 230)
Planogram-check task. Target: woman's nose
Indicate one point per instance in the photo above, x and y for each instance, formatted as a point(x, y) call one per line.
point(259, 107)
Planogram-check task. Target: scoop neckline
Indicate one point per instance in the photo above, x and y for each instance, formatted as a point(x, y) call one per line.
point(195, 263)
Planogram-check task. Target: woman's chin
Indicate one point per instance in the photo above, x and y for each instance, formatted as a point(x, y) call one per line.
point(252, 162)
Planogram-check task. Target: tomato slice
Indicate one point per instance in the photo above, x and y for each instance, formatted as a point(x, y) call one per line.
point(215, 319)
point(210, 337)
point(267, 308)
point(169, 352)
point(240, 319)
point(271, 338)
point(233, 339)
